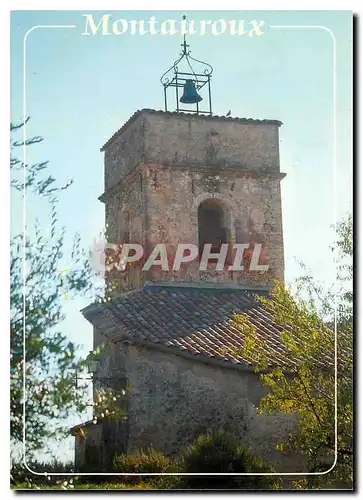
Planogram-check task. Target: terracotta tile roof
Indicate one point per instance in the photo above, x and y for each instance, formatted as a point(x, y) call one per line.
point(194, 321)
point(187, 115)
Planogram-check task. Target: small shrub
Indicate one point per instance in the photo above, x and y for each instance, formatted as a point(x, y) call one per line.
point(143, 462)
point(218, 452)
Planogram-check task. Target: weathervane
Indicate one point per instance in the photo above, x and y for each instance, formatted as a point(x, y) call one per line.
point(190, 81)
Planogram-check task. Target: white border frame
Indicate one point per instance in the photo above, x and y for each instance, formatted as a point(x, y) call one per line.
point(324, 28)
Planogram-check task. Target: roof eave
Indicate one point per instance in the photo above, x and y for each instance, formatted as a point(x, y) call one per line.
point(139, 112)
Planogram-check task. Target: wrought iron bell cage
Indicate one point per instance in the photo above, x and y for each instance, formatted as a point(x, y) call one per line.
point(191, 83)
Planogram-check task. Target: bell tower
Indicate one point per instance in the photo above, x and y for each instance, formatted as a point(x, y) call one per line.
point(190, 177)
point(184, 178)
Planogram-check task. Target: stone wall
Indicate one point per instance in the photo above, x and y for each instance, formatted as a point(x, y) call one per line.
point(112, 358)
point(173, 399)
point(163, 165)
point(190, 140)
point(186, 140)
point(125, 223)
point(98, 441)
point(124, 153)
point(252, 207)
point(97, 444)
point(89, 447)
point(170, 399)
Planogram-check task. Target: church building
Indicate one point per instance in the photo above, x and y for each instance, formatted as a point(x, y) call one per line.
point(190, 177)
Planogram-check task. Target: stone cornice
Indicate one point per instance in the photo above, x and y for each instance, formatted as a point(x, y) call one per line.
point(237, 170)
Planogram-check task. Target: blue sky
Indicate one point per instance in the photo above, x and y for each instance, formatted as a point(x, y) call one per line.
point(81, 89)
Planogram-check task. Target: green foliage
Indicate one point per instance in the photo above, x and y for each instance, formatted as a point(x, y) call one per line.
point(21, 477)
point(50, 357)
point(36, 179)
point(211, 453)
point(143, 485)
point(143, 462)
point(72, 485)
point(306, 387)
point(215, 452)
point(218, 452)
point(39, 287)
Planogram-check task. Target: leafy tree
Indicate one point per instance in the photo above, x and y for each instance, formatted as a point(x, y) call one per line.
point(306, 387)
point(36, 180)
point(38, 290)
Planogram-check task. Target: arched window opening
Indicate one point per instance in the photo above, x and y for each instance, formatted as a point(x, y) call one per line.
point(211, 226)
point(124, 226)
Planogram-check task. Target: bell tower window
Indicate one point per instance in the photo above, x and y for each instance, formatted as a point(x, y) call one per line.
point(211, 226)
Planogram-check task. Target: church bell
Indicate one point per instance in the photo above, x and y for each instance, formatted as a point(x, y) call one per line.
point(190, 94)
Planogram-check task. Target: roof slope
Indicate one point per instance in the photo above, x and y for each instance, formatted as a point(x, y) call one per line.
point(189, 320)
